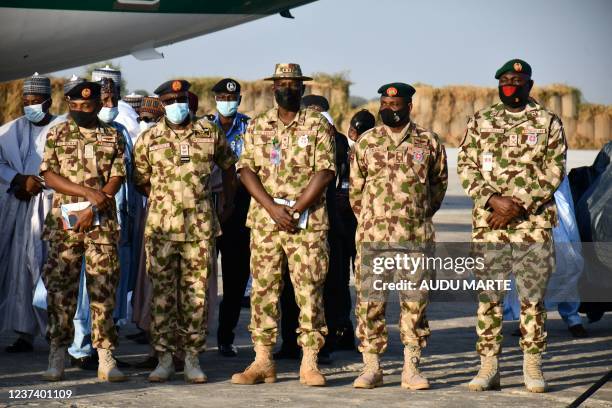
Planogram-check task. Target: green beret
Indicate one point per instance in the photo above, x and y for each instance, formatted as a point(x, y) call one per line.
point(397, 89)
point(514, 65)
point(84, 90)
point(172, 86)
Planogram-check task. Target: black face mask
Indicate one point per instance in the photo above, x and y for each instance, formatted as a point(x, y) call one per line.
point(393, 118)
point(84, 119)
point(288, 98)
point(514, 96)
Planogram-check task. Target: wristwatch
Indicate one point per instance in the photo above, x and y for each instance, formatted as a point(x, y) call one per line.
point(296, 214)
point(94, 209)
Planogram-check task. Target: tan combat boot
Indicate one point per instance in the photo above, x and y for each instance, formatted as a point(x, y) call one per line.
point(193, 372)
point(488, 375)
point(261, 370)
point(164, 369)
point(309, 369)
point(532, 372)
point(55, 372)
point(412, 378)
point(371, 375)
point(107, 367)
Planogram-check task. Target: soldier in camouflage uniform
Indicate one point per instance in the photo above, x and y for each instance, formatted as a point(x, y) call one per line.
point(173, 161)
point(83, 161)
point(511, 162)
point(398, 181)
point(286, 164)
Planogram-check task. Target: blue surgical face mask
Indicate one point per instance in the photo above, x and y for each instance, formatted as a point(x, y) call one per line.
point(34, 113)
point(107, 115)
point(177, 112)
point(228, 108)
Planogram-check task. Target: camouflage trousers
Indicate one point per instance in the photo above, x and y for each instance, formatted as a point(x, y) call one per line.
point(370, 310)
point(179, 310)
point(529, 255)
point(61, 275)
point(307, 256)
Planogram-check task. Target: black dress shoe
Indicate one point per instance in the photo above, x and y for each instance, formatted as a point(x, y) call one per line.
point(578, 331)
point(228, 350)
point(20, 346)
point(89, 363)
point(517, 333)
point(287, 353)
point(150, 363)
point(122, 364)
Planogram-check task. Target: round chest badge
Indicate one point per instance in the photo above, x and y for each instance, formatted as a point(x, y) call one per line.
point(86, 93)
point(303, 141)
point(176, 86)
point(417, 156)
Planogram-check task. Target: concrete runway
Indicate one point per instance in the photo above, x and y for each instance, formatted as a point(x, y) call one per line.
point(450, 361)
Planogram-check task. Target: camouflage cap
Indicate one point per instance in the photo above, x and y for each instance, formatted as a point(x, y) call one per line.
point(288, 71)
point(514, 65)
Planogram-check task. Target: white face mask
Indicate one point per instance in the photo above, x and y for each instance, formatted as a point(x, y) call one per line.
point(34, 113)
point(145, 125)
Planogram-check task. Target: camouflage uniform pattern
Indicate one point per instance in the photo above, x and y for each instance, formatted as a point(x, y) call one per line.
point(178, 316)
point(306, 147)
point(522, 156)
point(87, 158)
point(181, 226)
point(397, 183)
point(307, 255)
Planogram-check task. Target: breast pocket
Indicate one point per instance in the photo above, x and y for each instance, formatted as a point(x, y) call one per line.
point(162, 155)
point(301, 150)
point(262, 145)
point(377, 161)
point(202, 155)
point(105, 155)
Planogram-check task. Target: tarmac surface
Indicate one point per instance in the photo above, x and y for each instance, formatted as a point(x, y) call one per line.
point(450, 360)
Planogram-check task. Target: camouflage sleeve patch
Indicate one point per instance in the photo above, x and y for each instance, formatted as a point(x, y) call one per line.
point(224, 157)
point(325, 148)
point(142, 166)
point(50, 161)
point(118, 167)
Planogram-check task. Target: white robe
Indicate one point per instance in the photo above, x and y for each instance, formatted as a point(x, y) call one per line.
point(22, 251)
point(129, 119)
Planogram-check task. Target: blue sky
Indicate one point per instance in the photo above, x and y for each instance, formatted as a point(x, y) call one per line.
point(438, 42)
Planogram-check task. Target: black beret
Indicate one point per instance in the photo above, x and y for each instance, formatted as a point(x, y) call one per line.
point(172, 86)
point(84, 90)
point(362, 121)
point(316, 100)
point(514, 65)
point(397, 89)
point(227, 85)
